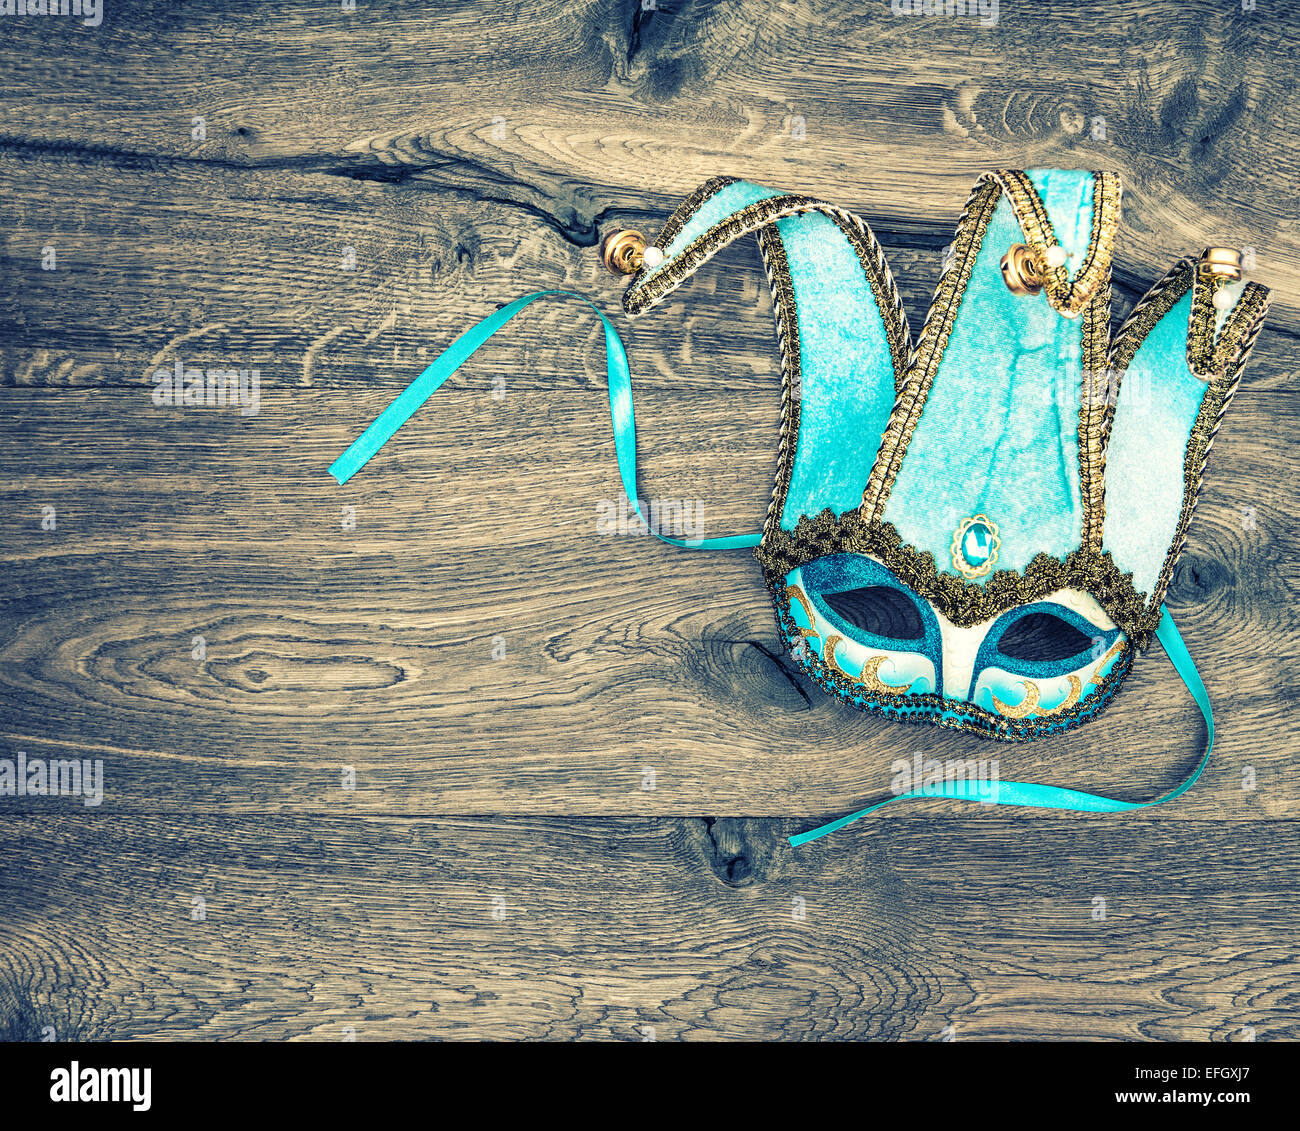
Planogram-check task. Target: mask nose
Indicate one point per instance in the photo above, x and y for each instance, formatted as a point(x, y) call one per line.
point(960, 648)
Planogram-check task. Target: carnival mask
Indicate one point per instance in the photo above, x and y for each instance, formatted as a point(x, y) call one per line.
point(975, 529)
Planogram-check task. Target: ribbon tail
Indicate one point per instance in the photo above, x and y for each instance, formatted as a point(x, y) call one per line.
point(1036, 796)
point(463, 348)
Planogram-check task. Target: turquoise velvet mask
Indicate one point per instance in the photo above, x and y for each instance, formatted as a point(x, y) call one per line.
point(974, 528)
point(966, 475)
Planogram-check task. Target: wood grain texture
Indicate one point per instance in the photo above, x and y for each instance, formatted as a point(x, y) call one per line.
point(521, 662)
point(466, 155)
point(698, 929)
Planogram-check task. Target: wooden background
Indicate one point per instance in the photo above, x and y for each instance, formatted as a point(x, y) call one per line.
point(499, 870)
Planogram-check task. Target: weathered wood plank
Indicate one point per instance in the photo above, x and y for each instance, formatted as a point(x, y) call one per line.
point(374, 647)
point(253, 283)
point(598, 929)
point(839, 98)
point(468, 158)
point(905, 112)
point(142, 279)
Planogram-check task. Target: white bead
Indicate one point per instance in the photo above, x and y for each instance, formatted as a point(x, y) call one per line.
point(1223, 299)
point(1056, 256)
point(652, 257)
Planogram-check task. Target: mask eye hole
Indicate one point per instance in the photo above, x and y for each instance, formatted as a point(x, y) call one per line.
point(879, 610)
point(1042, 638)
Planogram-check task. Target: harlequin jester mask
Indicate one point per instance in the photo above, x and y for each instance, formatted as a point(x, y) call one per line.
point(974, 529)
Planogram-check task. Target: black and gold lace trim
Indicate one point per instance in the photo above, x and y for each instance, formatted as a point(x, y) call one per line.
point(964, 603)
point(903, 708)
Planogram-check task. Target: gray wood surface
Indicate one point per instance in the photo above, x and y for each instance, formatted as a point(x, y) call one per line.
point(499, 677)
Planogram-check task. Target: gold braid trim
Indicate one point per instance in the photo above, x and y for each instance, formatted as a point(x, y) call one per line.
point(688, 207)
point(787, 336)
point(962, 602)
point(924, 363)
point(1200, 325)
point(1224, 366)
point(1069, 297)
point(1092, 416)
point(1207, 356)
point(649, 287)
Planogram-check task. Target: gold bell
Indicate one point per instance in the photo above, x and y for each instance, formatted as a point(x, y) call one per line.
point(1222, 262)
point(1021, 270)
point(625, 252)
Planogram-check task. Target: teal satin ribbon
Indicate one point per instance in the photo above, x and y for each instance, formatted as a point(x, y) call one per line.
point(624, 423)
point(464, 347)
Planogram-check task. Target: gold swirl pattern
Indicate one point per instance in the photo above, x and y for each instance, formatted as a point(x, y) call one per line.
point(872, 682)
point(1115, 650)
point(869, 678)
point(799, 595)
point(828, 654)
point(1028, 707)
